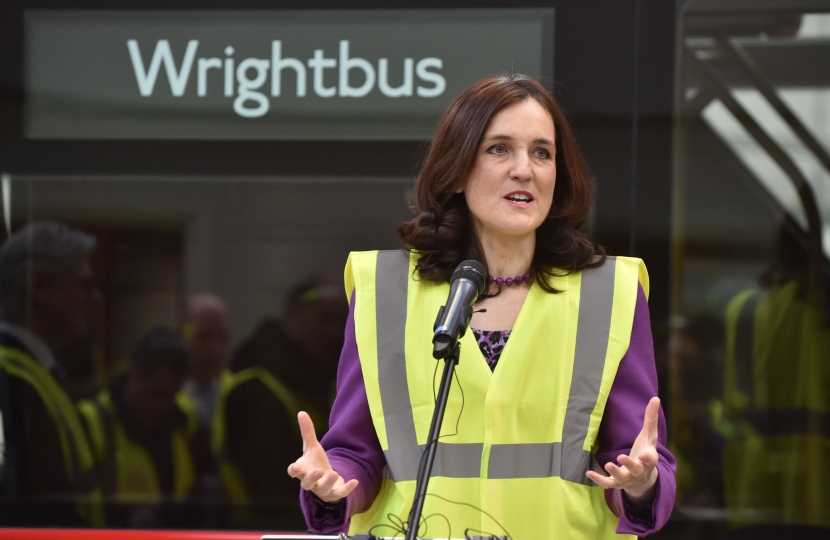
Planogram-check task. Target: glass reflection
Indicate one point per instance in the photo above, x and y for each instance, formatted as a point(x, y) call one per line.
point(774, 415)
point(180, 433)
point(182, 405)
point(47, 298)
point(286, 365)
point(146, 447)
point(750, 356)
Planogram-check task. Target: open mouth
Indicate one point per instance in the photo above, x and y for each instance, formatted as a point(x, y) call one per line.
point(520, 198)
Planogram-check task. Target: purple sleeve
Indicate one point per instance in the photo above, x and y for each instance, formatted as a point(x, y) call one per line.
point(634, 386)
point(351, 444)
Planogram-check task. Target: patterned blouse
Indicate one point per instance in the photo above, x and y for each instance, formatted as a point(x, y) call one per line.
point(491, 343)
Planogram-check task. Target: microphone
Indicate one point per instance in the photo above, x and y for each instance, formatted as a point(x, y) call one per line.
point(466, 285)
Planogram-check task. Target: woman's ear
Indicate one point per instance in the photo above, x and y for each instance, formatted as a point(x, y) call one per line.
point(459, 188)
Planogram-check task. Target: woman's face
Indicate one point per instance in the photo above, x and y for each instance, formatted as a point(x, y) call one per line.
point(510, 189)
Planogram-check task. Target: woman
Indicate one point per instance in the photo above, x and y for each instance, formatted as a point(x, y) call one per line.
point(503, 183)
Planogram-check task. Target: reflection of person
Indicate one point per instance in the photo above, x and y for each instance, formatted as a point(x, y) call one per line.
point(206, 327)
point(696, 348)
point(141, 438)
point(775, 416)
point(47, 295)
point(286, 364)
point(504, 184)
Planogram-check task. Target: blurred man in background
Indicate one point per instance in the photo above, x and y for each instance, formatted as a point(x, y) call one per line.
point(47, 298)
point(279, 370)
point(205, 326)
point(146, 446)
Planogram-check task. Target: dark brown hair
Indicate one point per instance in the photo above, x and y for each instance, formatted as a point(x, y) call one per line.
point(442, 230)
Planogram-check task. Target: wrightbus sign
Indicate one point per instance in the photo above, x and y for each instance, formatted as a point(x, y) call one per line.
point(251, 75)
point(325, 75)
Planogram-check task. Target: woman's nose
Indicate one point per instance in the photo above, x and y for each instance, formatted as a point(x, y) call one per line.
point(521, 169)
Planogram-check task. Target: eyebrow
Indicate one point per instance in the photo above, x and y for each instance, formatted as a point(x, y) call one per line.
point(499, 137)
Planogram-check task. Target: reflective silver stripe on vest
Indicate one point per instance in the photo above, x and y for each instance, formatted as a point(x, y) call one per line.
point(451, 460)
point(391, 283)
point(457, 460)
point(538, 460)
point(596, 300)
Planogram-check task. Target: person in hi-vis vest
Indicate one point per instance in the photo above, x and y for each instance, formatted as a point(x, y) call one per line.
point(47, 300)
point(286, 365)
point(552, 429)
point(775, 415)
point(146, 447)
point(206, 327)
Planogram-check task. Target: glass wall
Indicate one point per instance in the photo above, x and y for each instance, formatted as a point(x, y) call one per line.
point(245, 273)
point(750, 362)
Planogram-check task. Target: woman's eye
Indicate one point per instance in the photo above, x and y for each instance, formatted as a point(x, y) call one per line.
point(496, 149)
point(542, 153)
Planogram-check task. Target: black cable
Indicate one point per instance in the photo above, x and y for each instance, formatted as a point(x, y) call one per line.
point(425, 525)
point(422, 462)
point(404, 526)
point(460, 389)
point(383, 525)
point(474, 508)
point(449, 525)
point(463, 402)
point(400, 524)
point(434, 391)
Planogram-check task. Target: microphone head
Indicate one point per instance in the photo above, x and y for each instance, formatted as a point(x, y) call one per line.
point(473, 271)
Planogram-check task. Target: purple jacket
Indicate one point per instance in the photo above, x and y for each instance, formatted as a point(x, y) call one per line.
point(354, 451)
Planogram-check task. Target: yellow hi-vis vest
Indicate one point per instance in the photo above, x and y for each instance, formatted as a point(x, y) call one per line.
point(228, 382)
point(516, 442)
point(776, 411)
point(129, 471)
point(77, 455)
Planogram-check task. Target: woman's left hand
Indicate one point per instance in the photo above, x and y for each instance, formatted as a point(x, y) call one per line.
point(637, 472)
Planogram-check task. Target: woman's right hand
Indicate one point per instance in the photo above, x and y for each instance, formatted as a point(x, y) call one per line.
point(313, 468)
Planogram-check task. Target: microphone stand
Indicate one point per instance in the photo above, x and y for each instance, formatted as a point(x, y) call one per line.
point(425, 470)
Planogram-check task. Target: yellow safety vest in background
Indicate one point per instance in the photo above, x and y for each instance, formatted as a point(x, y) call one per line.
point(188, 407)
point(518, 441)
point(776, 412)
point(129, 464)
point(77, 455)
point(228, 382)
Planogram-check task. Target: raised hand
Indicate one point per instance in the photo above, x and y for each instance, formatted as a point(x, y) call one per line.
point(313, 468)
point(637, 473)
